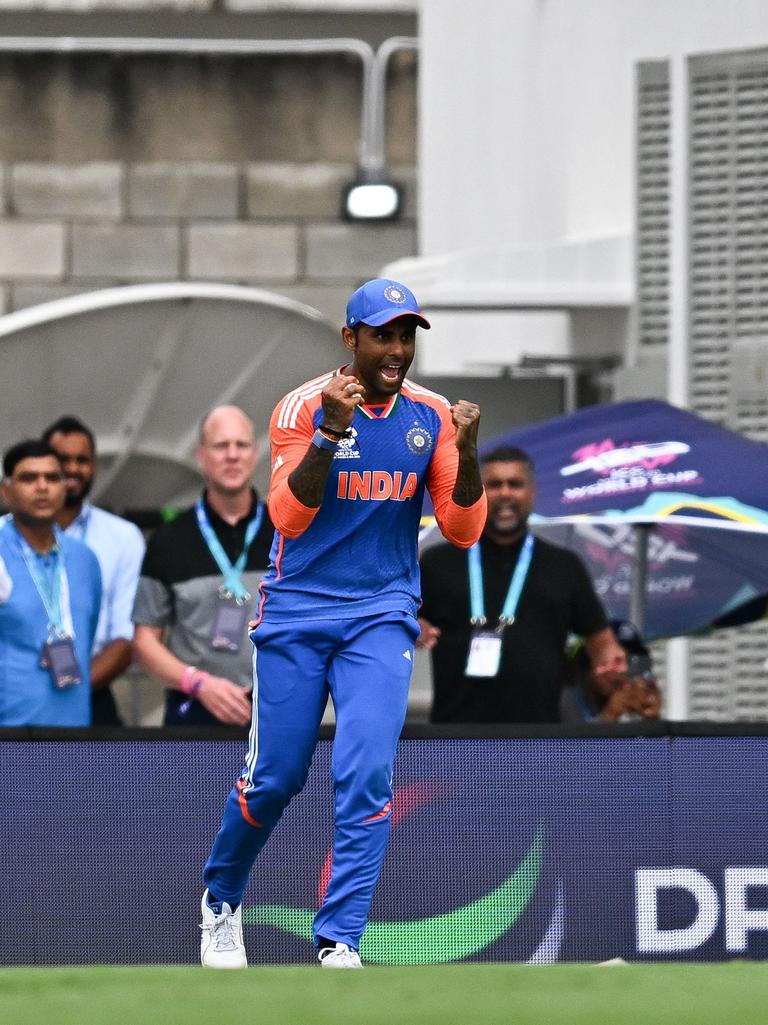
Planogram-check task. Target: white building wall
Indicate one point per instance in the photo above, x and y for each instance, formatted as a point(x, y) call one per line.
point(527, 110)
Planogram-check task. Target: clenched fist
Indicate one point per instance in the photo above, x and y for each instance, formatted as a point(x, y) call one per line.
point(466, 420)
point(341, 397)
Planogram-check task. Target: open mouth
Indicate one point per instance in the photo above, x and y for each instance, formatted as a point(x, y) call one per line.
point(507, 513)
point(391, 372)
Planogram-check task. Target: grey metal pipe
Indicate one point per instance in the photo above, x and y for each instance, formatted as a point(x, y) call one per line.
point(638, 603)
point(376, 150)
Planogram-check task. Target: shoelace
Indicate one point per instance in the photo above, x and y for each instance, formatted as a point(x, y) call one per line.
point(222, 932)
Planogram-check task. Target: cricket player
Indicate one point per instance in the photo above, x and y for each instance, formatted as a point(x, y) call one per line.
point(352, 452)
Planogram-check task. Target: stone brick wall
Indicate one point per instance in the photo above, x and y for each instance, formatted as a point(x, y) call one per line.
point(72, 228)
point(125, 169)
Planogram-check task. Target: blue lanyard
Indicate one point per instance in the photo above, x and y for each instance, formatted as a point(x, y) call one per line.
point(49, 587)
point(476, 591)
point(232, 573)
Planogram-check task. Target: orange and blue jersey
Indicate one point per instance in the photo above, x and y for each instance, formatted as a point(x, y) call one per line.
point(337, 618)
point(356, 555)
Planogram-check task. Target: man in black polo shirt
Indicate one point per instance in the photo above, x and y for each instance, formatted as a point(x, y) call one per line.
point(525, 597)
point(199, 579)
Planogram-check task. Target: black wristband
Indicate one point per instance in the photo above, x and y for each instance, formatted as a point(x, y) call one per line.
point(332, 432)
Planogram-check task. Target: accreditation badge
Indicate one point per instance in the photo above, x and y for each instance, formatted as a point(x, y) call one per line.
point(60, 660)
point(484, 657)
point(229, 625)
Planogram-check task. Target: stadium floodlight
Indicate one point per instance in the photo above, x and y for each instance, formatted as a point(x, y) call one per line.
point(372, 201)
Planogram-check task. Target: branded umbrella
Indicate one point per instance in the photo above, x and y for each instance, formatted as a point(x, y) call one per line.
point(669, 512)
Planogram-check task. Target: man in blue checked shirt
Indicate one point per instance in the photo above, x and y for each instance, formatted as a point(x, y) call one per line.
point(50, 594)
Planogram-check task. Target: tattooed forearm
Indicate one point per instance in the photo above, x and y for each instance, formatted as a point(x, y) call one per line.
point(469, 485)
point(340, 398)
point(468, 488)
point(307, 482)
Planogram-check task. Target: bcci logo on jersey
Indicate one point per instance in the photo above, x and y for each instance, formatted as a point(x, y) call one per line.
point(419, 441)
point(347, 447)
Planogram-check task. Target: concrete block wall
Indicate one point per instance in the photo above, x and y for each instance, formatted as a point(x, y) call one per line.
point(68, 228)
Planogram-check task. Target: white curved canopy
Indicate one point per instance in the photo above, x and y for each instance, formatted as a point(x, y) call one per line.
point(141, 365)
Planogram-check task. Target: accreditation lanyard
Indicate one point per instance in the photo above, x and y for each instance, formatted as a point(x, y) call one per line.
point(512, 600)
point(48, 586)
point(232, 572)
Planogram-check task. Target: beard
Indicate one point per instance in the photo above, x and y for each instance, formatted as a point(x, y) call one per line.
point(75, 498)
point(508, 526)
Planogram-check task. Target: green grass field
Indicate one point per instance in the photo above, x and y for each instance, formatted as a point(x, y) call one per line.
point(722, 994)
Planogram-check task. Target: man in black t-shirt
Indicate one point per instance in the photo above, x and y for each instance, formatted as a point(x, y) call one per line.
point(199, 581)
point(525, 597)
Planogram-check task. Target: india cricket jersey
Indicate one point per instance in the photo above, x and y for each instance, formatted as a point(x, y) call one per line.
point(356, 555)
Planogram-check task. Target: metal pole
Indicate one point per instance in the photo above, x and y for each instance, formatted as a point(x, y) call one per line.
point(376, 148)
point(678, 363)
point(677, 696)
point(639, 596)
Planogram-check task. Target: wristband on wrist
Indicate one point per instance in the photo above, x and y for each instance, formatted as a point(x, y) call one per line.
point(333, 432)
point(319, 440)
point(197, 682)
point(191, 680)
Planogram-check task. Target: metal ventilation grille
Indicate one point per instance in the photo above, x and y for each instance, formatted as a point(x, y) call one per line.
point(728, 140)
point(713, 241)
point(729, 679)
point(659, 658)
point(653, 146)
point(728, 304)
point(728, 301)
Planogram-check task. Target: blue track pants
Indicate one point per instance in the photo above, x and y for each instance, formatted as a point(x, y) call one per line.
point(366, 664)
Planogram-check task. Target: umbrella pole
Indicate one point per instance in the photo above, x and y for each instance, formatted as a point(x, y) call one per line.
point(638, 597)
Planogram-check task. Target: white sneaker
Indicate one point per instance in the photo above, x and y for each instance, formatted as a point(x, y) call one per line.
point(221, 944)
point(340, 956)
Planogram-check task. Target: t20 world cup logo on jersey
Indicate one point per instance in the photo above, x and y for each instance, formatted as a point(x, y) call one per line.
point(347, 446)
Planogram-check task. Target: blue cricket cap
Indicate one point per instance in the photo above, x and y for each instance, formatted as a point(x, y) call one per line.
point(381, 300)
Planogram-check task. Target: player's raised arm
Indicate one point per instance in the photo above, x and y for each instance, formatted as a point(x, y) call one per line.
point(469, 486)
point(302, 455)
point(454, 480)
point(340, 398)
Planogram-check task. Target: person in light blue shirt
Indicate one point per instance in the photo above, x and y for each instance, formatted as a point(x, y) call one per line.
point(50, 594)
point(119, 546)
